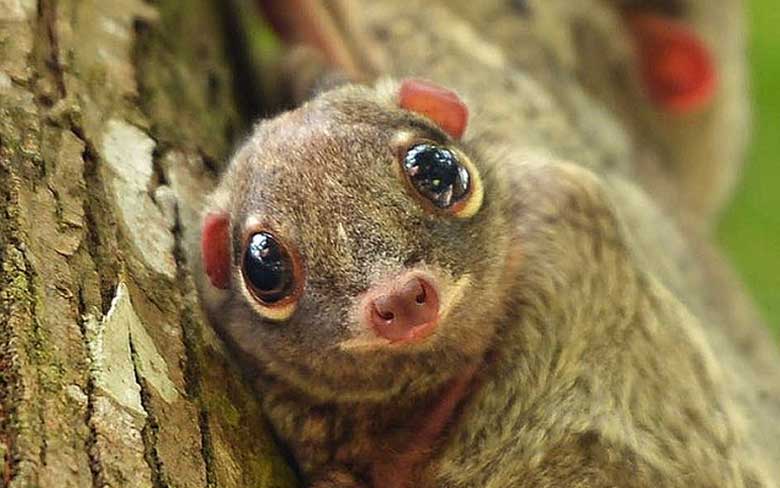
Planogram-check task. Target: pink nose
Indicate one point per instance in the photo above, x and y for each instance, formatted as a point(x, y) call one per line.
point(405, 310)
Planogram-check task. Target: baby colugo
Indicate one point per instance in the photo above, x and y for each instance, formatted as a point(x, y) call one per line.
point(423, 308)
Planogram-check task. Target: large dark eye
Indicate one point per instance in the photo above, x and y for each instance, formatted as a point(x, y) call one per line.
point(437, 174)
point(268, 268)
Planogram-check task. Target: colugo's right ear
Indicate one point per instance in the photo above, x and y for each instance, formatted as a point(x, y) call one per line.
point(215, 248)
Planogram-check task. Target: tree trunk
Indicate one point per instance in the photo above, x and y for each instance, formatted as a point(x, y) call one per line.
point(114, 117)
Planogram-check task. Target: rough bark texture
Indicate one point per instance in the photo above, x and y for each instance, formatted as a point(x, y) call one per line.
point(114, 115)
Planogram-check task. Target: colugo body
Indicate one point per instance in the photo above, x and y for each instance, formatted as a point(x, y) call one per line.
point(475, 271)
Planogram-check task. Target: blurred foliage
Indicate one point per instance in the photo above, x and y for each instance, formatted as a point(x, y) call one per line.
point(751, 226)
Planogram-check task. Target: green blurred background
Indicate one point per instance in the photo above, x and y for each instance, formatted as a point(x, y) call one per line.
point(751, 226)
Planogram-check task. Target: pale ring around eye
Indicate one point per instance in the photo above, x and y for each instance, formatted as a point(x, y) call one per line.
point(272, 274)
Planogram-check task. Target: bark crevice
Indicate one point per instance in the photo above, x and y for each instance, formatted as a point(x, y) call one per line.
point(48, 52)
point(93, 452)
point(151, 426)
point(102, 247)
point(94, 204)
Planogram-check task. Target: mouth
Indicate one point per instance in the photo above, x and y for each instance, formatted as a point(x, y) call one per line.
point(414, 335)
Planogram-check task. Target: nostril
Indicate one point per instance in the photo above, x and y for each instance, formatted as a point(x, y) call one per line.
point(386, 315)
point(384, 308)
point(420, 298)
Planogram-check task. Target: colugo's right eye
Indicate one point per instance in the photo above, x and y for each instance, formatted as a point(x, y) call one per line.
point(272, 274)
point(443, 179)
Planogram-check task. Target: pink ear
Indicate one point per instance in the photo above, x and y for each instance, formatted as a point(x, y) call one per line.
point(437, 103)
point(215, 248)
point(677, 67)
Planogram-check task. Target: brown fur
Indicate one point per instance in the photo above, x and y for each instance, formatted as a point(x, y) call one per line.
point(611, 345)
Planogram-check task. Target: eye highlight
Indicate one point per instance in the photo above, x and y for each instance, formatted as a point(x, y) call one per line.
point(272, 274)
point(444, 178)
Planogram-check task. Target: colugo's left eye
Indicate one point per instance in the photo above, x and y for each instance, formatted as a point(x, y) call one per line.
point(445, 179)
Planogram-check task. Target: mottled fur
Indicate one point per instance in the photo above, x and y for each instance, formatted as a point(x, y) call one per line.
point(611, 344)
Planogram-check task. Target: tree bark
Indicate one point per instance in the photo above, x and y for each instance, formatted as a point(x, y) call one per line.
point(114, 117)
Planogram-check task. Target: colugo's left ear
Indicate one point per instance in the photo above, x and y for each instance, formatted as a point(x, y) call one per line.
point(442, 105)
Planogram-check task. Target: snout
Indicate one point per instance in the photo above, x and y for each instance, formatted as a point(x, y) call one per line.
point(405, 309)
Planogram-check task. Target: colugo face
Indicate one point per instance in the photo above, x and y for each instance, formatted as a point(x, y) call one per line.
point(362, 245)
